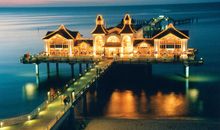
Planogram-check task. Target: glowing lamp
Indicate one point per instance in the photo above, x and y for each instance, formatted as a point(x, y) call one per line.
point(48, 93)
point(29, 117)
point(2, 124)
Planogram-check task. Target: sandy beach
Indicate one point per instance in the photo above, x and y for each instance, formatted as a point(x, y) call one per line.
point(154, 124)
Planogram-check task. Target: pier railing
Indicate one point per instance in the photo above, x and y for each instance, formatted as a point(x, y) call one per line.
point(58, 116)
point(44, 105)
point(26, 117)
point(77, 96)
point(39, 59)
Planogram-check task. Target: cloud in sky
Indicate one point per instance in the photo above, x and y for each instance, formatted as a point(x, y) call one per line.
point(91, 2)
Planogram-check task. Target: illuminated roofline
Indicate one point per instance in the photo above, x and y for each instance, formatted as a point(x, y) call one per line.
point(170, 26)
point(61, 27)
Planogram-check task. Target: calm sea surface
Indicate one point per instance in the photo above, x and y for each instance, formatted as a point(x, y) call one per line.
point(123, 95)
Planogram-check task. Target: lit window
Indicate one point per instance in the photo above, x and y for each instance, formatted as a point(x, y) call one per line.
point(170, 46)
point(65, 46)
point(113, 39)
point(58, 46)
point(177, 46)
point(163, 46)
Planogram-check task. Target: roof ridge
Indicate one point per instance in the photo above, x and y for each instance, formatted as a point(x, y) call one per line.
point(128, 26)
point(103, 29)
point(62, 27)
point(170, 26)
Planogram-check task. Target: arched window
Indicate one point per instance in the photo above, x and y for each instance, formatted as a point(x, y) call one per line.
point(126, 40)
point(113, 39)
point(99, 39)
point(143, 44)
point(84, 48)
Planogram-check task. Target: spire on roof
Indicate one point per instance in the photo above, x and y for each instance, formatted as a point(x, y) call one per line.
point(127, 19)
point(62, 27)
point(99, 20)
point(170, 26)
point(100, 28)
point(127, 25)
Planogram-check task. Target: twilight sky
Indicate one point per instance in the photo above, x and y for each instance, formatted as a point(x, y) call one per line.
point(92, 2)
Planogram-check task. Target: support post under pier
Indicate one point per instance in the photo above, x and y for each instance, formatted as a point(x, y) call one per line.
point(37, 69)
point(84, 100)
point(72, 119)
point(87, 66)
point(186, 67)
point(148, 70)
point(80, 68)
point(72, 70)
point(57, 68)
point(48, 69)
point(37, 80)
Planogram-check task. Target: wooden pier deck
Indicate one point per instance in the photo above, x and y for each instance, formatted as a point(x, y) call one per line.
point(47, 118)
point(134, 60)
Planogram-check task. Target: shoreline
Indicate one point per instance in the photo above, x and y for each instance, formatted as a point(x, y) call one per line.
point(151, 124)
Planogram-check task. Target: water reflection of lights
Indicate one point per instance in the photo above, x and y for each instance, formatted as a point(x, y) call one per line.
point(197, 78)
point(30, 90)
point(193, 94)
point(169, 104)
point(143, 102)
point(122, 103)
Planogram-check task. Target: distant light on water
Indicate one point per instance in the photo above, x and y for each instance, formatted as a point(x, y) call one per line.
point(30, 74)
point(196, 78)
point(29, 90)
point(193, 94)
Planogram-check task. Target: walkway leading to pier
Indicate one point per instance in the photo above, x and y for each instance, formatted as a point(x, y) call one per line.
point(48, 117)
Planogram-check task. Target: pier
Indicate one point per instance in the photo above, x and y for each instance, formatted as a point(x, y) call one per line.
point(122, 44)
point(185, 21)
point(37, 60)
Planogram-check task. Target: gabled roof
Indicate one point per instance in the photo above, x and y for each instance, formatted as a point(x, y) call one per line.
point(63, 31)
point(88, 41)
point(115, 30)
point(99, 29)
point(171, 29)
point(127, 29)
point(127, 22)
point(138, 41)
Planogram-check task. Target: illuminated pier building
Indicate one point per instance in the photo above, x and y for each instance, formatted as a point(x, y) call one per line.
point(121, 41)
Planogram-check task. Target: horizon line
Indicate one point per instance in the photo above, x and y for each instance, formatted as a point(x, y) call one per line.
point(52, 6)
